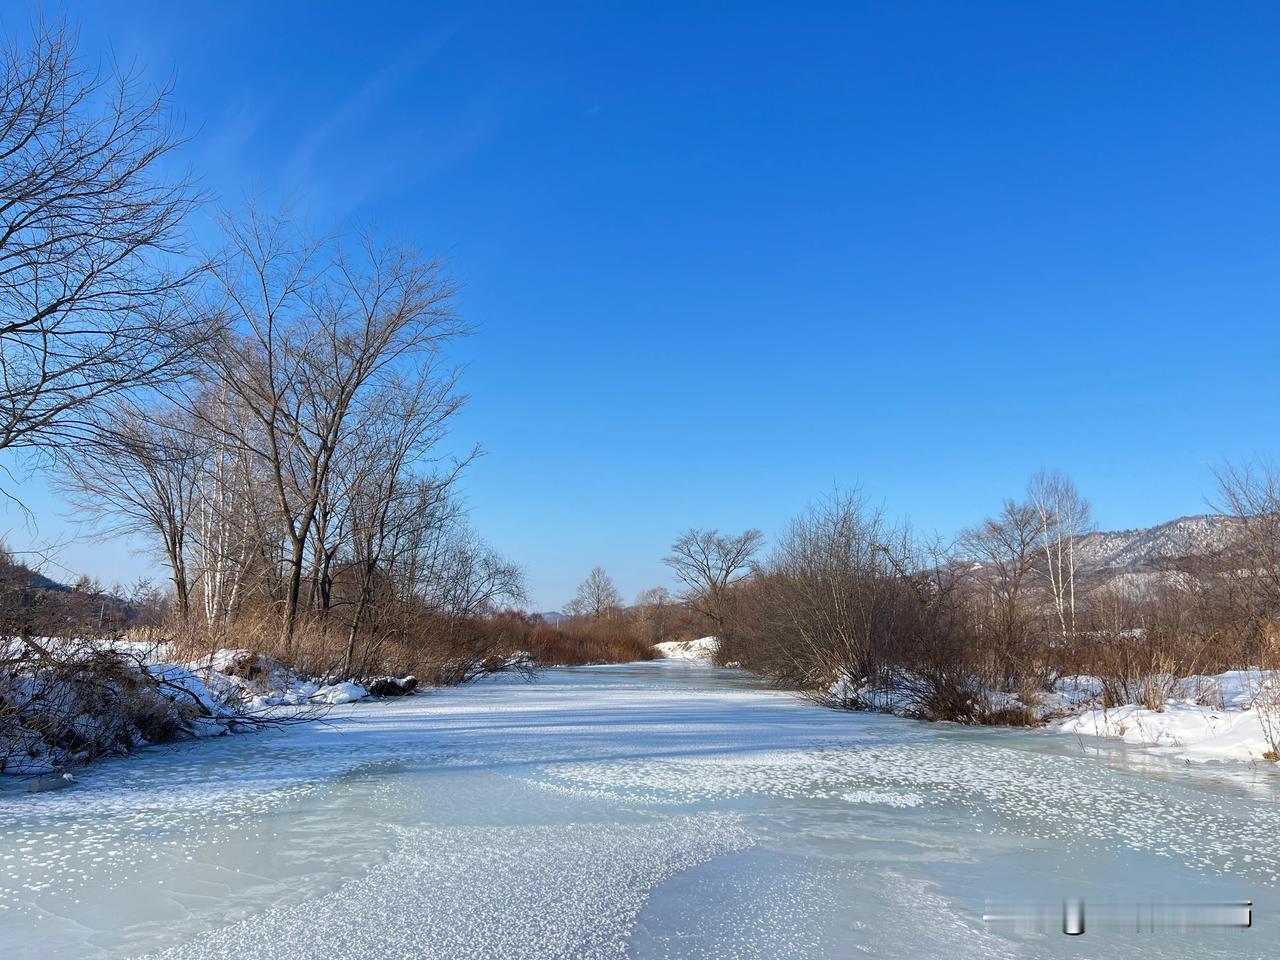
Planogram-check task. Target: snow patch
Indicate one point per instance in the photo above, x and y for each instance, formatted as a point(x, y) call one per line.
point(259, 683)
point(704, 648)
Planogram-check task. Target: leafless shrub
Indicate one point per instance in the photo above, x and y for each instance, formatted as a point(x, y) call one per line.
point(1207, 692)
point(824, 604)
point(618, 641)
point(976, 633)
point(72, 701)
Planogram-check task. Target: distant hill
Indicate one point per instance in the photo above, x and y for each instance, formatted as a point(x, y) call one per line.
point(1154, 548)
point(32, 603)
point(38, 581)
point(1134, 562)
point(553, 616)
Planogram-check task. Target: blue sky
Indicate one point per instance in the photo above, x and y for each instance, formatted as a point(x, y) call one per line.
point(722, 258)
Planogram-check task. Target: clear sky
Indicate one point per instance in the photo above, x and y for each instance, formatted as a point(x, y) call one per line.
point(724, 257)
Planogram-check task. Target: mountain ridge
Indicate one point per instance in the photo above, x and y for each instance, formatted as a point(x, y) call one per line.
point(1196, 535)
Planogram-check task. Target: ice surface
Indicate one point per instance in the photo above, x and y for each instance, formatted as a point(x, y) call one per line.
point(501, 892)
point(655, 810)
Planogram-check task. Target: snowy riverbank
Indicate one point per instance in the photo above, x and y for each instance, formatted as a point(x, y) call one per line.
point(1218, 717)
point(1232, 716)
point(82, 700)
point(704, 649)
point(1226, 716)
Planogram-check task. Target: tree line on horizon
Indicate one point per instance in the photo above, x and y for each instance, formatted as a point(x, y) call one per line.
point(865, 613)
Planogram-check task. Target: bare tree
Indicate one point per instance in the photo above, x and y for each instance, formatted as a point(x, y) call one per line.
point(474, 578)
point(387, 503)
point(93, 266)
point(597, 597)
point(1063, 516)
point(1007, 549)
point(146, 477)
point(1250, 577)
point(709, 563)
point(319, 330)
point(461, 579)
point(231, 527)
point(655, 613)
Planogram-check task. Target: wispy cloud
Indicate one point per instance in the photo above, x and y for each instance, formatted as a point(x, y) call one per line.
point(354, 108)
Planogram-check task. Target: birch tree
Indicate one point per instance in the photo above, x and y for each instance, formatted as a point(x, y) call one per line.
point(1063, 517)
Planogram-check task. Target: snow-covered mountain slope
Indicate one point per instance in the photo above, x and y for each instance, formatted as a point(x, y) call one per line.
point(1156, 546)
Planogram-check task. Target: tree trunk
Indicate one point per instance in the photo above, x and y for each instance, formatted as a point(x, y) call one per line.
point(293, 594)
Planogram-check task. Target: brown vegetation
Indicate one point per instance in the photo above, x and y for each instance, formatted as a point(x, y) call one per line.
point(572, 642)
point(865, 614)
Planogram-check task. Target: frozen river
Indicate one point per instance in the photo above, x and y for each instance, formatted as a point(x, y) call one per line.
point(665, 810)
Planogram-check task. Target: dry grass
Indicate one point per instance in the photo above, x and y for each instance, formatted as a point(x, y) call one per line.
point(575, 642)
point(1264, 684)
